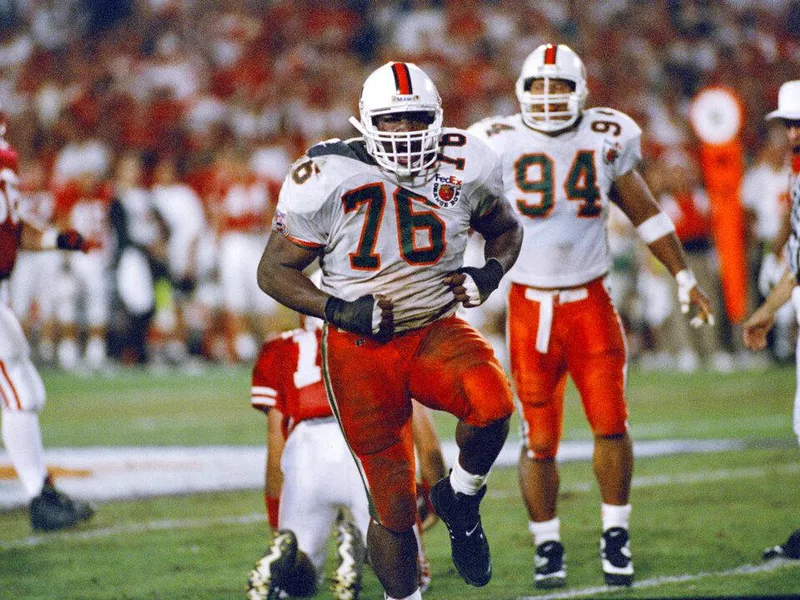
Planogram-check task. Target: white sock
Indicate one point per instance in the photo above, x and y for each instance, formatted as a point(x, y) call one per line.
point(464, 482)
point(545, 531)
point(415, 596)
point(615, 516)
point(23, 441)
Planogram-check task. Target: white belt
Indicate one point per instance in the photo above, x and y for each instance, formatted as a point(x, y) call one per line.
point(545, 299)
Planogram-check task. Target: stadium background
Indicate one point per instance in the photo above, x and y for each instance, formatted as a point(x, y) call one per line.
point(235, 91)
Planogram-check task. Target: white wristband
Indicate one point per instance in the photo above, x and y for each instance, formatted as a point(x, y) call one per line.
point(655, 227)
point(49, 239)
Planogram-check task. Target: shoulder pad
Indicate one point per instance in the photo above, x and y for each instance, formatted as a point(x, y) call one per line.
point(491, 126)
point(478, 144)
point(629, 127)
point(353, 148)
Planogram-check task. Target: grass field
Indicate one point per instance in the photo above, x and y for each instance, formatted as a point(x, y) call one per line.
point(699, 525)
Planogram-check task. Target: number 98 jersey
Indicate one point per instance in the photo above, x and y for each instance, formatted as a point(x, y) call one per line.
point(381, 234)
point(559, 187)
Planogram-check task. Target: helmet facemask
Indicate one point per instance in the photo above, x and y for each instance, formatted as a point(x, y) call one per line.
point(395, 148)
point(543, 108)
point(404, 152)
point(549, 111)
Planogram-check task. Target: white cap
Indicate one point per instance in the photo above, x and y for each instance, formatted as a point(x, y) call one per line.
point(788, 102)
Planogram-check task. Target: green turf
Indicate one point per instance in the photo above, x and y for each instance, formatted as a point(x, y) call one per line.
point(698, 516)
point(140, 408)
point(196, 549)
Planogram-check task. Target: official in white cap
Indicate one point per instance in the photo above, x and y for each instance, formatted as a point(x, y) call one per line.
point(788, 103)
point(757, 326)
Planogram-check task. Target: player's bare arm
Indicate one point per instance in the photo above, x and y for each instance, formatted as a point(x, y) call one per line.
point(273, 478)
point(631, 194)
point(757, 325)
point(503, 234)
point(280, 274)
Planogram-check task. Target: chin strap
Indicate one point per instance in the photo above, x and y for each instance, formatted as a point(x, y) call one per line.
point(357, 124)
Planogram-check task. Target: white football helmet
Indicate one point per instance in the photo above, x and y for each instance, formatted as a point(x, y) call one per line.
point(550, 62)
point(399, 87)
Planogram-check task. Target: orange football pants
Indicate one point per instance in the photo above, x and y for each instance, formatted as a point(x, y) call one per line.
point(446, 365)
point(586, 341)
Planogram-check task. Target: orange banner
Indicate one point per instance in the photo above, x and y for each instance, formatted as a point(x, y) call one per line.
point(716, 118)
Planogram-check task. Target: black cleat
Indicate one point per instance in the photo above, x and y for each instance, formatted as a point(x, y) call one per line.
point(352, 555)
point(549, 568)
point(269, 575)
point(53, 509)
point(469, 547)
point(790, 550)
point(615, 553)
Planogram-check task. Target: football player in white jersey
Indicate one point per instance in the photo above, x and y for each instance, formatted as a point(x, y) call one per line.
point(22, 394)
point(562, 166)
point(388, 216)
point(756, 327)
point(310, 476)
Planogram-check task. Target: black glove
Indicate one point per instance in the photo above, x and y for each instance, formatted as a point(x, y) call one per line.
point(72, 240)
point(355, 316)
point(487, 277)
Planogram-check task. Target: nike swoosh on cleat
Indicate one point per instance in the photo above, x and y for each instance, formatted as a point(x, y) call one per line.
point(470, 532)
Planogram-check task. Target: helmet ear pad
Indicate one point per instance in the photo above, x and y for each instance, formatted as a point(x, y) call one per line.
point(544, 110)
point(399, 89)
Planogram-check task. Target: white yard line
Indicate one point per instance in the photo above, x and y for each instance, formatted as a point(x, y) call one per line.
point(106, 532)
point(766, 567)
point(682, 479)
point(121, 473)
point(638, 482)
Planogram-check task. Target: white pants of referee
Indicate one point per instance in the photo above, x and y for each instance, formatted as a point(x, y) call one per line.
point(796, 415)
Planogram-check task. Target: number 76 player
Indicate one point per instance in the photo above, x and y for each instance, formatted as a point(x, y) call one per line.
point(388, 216)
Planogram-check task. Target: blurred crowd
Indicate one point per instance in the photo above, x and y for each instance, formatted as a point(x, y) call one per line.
point(164, 128)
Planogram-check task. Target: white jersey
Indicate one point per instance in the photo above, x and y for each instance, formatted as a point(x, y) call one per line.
point(559, 186)
point(383, 235)
point(793, 249)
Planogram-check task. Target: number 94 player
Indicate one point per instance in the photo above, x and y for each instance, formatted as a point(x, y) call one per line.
point(562, 167)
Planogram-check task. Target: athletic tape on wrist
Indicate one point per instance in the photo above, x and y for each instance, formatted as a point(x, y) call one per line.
point(655, 227)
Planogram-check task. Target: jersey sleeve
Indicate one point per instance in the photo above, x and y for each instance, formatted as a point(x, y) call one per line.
point(266, 390)
point(304, 215)
point(480, 129)
point(490, 131)
point(622, 152)
point(489, 181)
